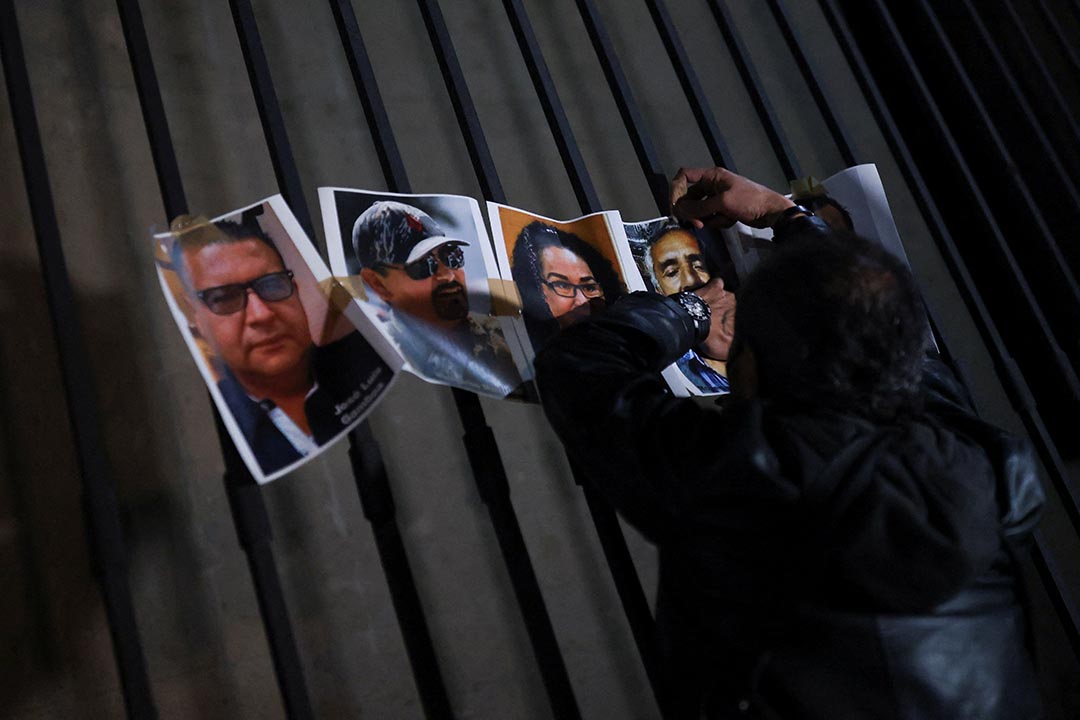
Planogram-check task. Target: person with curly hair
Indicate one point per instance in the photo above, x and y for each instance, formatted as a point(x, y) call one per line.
point(562, 280)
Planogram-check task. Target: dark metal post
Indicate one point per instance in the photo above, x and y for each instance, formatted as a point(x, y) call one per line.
point(714, 140)
point(624, 574)
point(1008, 372)
point(368, 469)
point(743, 63)
point(624, 100)
point(479, 439)
point(1041, 82)
point(1066, 46)
point(824, 103)
point(245, 497)
point(105, 535)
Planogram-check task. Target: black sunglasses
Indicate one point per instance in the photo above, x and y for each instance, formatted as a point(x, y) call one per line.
point(229, 299)
point(452, 256)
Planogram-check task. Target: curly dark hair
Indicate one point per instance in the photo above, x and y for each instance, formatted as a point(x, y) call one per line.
point(527, 274)
point(835, 323)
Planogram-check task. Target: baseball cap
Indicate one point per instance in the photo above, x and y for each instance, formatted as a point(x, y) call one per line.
point(394, 233)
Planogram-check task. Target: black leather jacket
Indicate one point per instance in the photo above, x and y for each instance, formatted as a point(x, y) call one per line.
point(813, 564)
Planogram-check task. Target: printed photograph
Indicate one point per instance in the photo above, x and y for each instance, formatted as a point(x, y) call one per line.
point(291, 365)
point(672, 258)
point(564, 271)
point(422, 269)
point(852, 199)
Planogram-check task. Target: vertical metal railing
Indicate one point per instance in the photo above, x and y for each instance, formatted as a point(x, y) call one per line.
point(1019, 178)
point(624, 100)
point(250, 517)
point(1003, 86)
point(1036, 341)
point(740, 54)
point(620, 563)
point(1065, 45)
point(822, 101)
point(695, 96)
point(105, 536)
point(1040, 81)
point(1006, 368)
point(479, 439)
point(368, 469)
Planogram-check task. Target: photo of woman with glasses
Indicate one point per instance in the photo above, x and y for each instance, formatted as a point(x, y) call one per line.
point(562, 280)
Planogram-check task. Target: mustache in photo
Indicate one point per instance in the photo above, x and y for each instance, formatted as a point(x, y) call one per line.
point(447, 287)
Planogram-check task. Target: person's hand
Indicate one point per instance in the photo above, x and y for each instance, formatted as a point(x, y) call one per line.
point(721, 323)
point(717, 197)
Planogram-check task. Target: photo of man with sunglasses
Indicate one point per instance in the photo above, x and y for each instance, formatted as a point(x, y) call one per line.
point(409, 262)
point(288, 395)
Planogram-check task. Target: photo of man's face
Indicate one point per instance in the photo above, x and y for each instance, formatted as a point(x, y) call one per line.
point(432, 288)
point(678, 263)
point(263, 340)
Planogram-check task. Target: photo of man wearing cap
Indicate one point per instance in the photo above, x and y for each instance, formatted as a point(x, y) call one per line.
point(407, 260)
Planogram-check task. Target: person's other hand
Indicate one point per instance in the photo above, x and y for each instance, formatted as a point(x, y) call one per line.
point(717, 197)
point(721, 323)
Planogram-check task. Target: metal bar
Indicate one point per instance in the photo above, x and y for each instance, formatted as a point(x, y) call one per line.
point(288, 177)
point(624, 100)
point(245, 497)
point(105, 535)
point(253, 530)
point(375, 493)
point(824, 104)
point(684, 70)
point(461, 99)
point(1066, 46)
point(368, 469)
point(1018, 98)
point(624, 574)
point(494, 490)
point(553, 108)
point(952, 162)
point(378, 505)
point(480, 445)
point(1053, 580)
point(370, 98)
point(1014, 25)
point(1008, 373)
point(769, 121)
point(958, 95)
point(1069, 497)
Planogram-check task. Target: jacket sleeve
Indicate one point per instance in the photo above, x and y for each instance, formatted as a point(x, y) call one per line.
point(1018, 487)
point(638, 445)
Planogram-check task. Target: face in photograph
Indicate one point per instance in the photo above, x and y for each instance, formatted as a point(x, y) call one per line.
point(260, 333)
point(411, 264)
point(562, 279)
point(569, 285)
point(438, 298)
point(677, 261)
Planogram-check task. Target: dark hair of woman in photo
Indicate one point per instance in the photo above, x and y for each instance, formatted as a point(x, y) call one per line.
point(562, 279)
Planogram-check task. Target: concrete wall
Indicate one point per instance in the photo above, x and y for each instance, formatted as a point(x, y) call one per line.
point(205, 646)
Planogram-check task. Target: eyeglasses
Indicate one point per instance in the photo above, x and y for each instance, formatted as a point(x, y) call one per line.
point(229, 299)
point(569, 290)
point(452, 256)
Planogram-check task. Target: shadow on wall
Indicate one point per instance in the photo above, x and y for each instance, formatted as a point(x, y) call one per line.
point(51, 615)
